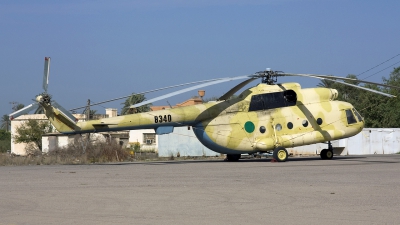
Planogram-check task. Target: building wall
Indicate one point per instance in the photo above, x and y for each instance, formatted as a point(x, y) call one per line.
point(111, 112)
point(137, 136)
point(184, 142)
point(51, 142)
point(368, 141)
point(19, 149)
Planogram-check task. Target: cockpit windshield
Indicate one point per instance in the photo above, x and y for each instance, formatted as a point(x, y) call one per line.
point(350, 117)
point(359, 117)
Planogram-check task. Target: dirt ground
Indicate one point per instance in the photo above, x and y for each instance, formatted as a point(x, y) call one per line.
point(306, 190)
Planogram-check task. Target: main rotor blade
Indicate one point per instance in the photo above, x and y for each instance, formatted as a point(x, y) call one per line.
point(66, 112)
point(46, 73)
point(145, 92)
point(222, 80)
point(228, 94)
point(352, 85)
point(24, 110)
point(338, 78)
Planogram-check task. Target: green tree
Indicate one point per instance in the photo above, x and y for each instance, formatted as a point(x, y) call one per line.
point(32, 131)
point(371, 106)
point(92, 112)
point(5, 141)
point(5, 123)
point(17, 106)
point(392, 106)
point(326, 84)
point(134, 99)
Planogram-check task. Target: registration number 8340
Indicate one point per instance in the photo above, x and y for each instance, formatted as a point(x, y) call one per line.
point(162, 118)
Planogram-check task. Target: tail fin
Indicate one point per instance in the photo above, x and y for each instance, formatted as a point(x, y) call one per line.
point(61, 119)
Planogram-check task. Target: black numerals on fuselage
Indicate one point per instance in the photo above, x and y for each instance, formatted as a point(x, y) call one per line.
point(162, 118)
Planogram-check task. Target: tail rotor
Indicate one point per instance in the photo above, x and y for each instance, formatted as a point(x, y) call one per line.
point(43, 99)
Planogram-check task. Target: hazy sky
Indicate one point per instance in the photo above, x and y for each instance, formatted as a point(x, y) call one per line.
point(106, 49)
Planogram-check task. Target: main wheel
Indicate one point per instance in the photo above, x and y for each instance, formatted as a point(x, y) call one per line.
point(322, 154)
point(232, 157)
point(329, 154)
point(280, 154)
point(326, 154)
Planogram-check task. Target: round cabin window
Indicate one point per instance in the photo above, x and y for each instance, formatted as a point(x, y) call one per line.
point(262, 129)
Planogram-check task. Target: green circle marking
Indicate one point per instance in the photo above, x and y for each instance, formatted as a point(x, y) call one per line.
point(249, 126)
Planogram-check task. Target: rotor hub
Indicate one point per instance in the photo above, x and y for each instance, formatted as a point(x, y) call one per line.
point(43, 98)
point(268, 76)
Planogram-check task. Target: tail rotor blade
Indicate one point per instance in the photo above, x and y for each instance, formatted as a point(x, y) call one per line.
point(46, 73)
point(63, 110)
point(24, 110)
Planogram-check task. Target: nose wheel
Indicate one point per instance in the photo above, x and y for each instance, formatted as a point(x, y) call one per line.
point(327, 153)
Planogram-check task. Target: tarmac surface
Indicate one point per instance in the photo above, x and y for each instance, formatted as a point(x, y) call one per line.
point(307, 190)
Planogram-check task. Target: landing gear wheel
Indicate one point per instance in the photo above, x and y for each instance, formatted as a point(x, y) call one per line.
point(322, 154)
point(280, 154)
point(329, 154)
point(232, 157)
point(326, 154)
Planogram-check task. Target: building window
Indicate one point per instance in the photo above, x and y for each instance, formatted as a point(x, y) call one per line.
point(149, 139)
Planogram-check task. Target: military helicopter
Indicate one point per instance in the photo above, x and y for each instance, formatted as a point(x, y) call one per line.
point(268, 117)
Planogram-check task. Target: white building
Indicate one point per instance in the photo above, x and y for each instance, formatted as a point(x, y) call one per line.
point(53, 140)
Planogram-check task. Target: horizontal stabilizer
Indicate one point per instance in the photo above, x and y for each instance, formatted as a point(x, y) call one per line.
point(103, 124)
point(164, 130)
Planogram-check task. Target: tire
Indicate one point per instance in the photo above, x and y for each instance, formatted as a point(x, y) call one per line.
point(326, 154)
point(280, 154)
point(322, 154)
point(233, 157)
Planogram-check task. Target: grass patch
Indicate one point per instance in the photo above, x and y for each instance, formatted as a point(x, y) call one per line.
point(71, 154)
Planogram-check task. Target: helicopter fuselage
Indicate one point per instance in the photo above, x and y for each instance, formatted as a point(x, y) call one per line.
point(258, 120)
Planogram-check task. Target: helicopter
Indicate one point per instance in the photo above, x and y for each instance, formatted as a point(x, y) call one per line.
point(268, 117)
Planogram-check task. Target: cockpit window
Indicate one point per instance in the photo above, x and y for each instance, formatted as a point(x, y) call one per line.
point(350, 117)
point(359, 117)
point(273, 100)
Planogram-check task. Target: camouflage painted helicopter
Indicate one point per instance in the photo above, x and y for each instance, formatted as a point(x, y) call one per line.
point(268, 117)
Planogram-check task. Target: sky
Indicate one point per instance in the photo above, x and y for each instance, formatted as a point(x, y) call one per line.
point(103, 50)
